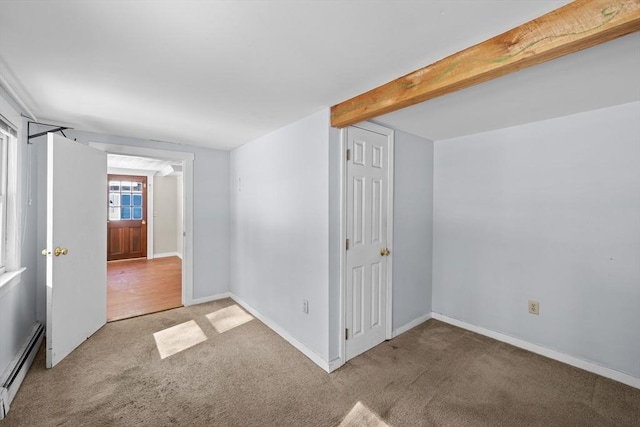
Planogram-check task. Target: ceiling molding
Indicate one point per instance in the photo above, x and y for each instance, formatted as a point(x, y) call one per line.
point(571, 28)
point(4, 84)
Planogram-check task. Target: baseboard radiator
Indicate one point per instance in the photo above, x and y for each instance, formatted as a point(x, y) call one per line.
point(16, 371)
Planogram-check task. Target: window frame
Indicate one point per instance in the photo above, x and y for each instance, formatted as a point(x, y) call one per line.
point(11, 220)
point(5, 138)
point(120, 178)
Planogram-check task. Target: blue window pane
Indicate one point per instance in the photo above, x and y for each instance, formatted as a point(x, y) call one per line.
point(137, 200)
point(126, 200)
point(126, 212)
point(137, 213)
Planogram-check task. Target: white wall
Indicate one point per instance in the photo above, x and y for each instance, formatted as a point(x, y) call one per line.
point(280, 226)
point(18, 302)
point(412, 228)
point(165, 214)
point(548, 211)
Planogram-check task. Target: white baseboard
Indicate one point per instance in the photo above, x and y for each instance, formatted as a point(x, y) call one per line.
point(412, 324)
point(167, 254)
point(338, 362)
point(544, 351)
point(315, 358)
point(202, 300)
point(335, 364)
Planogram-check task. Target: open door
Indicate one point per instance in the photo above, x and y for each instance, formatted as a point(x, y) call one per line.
point(76, 245)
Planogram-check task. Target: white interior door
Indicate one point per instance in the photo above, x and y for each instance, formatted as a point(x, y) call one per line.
point(368, 203)
point(76, 271)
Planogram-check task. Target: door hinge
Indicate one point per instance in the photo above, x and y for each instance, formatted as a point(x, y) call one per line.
point(347, 244)
point(346, 334)
point(348, 155)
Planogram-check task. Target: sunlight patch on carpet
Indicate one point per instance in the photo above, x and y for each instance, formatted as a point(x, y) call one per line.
point(360, 416)
point(178, 338)
point(228, 318)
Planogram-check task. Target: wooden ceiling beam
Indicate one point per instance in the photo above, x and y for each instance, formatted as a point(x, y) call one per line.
point(573, 27)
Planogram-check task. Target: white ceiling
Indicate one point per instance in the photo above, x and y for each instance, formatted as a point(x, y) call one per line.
point(602, 76)
point(139, 163)
point(221, 73)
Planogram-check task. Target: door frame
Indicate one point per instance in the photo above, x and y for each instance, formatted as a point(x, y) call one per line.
point(389, 133)
point(187, 199)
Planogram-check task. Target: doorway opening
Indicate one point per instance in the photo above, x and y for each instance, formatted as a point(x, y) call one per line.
point(144, 235)
point(185, 160)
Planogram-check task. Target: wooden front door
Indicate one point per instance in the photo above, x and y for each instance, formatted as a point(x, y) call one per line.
point(127, 219)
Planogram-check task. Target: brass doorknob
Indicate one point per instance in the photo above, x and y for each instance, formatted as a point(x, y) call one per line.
point(60, 251)
point(385, 252)
point(144, 222)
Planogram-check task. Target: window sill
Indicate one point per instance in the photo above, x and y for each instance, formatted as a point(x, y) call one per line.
point(9, 279)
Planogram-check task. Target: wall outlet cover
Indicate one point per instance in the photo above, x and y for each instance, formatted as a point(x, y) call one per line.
point(534, 307)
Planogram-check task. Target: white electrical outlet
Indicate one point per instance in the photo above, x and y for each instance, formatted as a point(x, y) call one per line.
point(305, 306)
point(534, 307)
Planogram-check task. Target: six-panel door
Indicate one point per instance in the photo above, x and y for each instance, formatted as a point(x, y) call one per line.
point(367, 216)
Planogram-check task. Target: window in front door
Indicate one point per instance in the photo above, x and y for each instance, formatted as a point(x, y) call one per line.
point(125, 200)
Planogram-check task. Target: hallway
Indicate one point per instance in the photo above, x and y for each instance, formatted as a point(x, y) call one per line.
point(138, 287)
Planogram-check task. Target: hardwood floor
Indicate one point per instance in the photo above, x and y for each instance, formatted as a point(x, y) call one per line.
point(143, 286)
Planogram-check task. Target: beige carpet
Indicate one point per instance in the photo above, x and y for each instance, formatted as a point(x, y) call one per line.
point(435, 374)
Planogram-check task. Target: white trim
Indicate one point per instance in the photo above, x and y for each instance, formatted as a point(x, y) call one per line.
point(315, 357)
point(210, 298)
point(14, 95)
point(124, 171)
point(390, 134)
point(130, 150)
point(335, 364)
point(150, 218)
point(544, 351)
point(167, 254)
point(9, 279)
point(187, 194)
point(415, 322)
point(187, 232)
point(14, 208)
point(342, 348)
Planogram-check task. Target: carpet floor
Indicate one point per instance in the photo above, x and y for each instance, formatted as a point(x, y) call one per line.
point(433, 375)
